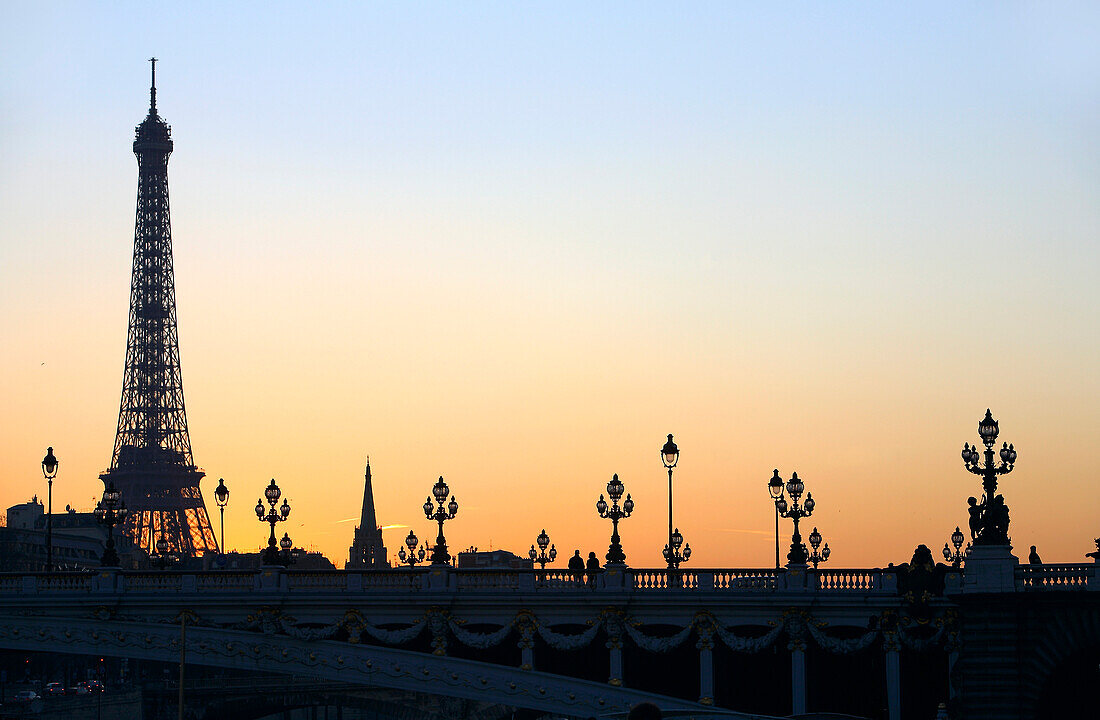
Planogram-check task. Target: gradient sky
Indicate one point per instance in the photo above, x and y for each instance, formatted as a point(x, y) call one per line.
point(516, 245)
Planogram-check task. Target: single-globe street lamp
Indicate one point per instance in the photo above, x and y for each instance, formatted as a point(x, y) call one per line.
point(795, 487)
point(49, 471)
point(440, 514)
point(221, 496)
point(542, 557)
point(819, 554)
point(413, 556)
point(110, 511)
point(956, 557)
point(615, 488)
point(989, 519)
point(272, 516)
point(670, 455)
point(775, 489)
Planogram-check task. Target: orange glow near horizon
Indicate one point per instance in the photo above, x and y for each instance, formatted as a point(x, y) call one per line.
point(518, 250)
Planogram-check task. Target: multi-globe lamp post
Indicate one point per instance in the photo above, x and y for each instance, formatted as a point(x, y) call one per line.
point(795, 487)
point(615, 489)
point(670, 456)
point(272, 516)
point(542, 556)
point(413, 556)
point(819, 554)
point(163, 555)
point(989, 519)
point(286, 545)
point(440, 514)
point(956, 556)
point(110, 511)
point(49, 471)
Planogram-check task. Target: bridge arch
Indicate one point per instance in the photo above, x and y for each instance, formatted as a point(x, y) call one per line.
point(368, 665)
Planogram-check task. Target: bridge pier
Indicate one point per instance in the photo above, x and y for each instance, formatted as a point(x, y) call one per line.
point(798, 680)
point(893, 682)
point(615, 646)
point(706, 672)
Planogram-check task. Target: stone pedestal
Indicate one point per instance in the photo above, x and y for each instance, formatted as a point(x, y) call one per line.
point(990, 568)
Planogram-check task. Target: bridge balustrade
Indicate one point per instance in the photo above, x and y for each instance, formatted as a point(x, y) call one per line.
point(62, 581)
point(1056, 577)
point(746, 579)
point(840, 580)
point(226, 580)
point(487, 579)
point(317, 581)
point(155, 582)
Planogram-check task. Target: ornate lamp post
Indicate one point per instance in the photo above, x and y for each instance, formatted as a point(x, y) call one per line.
point(110, 511)
point(615, 488)
point(672, 553)
point(287, 555)
point(413, 556)
point(795, 487)
point(221, 496)
point(272, 516)
point(163, 555)
point(989, 519)
point(956, 557)
point(817, 556)
point(440, 514)
point(775, 489)
point(49, 471)
point(542, 557)
point(670, 455)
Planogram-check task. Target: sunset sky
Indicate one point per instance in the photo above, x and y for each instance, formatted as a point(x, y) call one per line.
point(517, 245)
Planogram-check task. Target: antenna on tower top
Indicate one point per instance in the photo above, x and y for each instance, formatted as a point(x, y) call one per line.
point(153, 88)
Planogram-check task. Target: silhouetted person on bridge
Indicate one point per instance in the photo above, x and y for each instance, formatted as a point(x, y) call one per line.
point(644, 711)
point(576, 566)
point(593, 567)
point(1034, 558)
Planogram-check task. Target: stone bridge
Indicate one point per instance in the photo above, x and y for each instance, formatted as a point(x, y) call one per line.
point(550, 644)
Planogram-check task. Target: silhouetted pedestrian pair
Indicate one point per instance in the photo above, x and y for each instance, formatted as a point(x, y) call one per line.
point(577, 567)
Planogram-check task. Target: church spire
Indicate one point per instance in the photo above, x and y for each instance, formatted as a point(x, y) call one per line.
point(367, 549)
point(368, 520)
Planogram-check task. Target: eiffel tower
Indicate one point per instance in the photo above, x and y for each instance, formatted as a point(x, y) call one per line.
point(152, 464)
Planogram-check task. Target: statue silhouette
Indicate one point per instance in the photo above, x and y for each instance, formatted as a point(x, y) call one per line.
point(975, 511)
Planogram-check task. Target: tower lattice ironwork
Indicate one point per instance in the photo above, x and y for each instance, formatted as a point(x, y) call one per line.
point(152, 464)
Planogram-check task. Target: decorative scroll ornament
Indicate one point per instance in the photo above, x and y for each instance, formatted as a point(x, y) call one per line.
point(797, 624)
point(563, 641)
point(478, 641)
point(657, 644)
point(526, 624)
point(437, 621)
point(614, 625)
point(739, 643)
point(842, 646)
point(704, 630)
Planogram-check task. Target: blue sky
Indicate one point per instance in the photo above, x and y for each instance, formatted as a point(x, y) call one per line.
point(832, 212)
